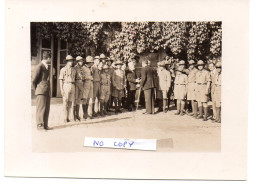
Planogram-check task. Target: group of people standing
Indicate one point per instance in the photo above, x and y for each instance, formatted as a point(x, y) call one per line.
point(102, 83)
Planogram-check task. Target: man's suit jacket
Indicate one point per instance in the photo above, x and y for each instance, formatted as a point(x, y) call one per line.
point(131, 80)
point(41, 80)
point(148, 78)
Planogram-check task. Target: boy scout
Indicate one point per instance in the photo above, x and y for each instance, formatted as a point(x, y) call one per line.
point(88, 88)
point(105, 81)
point(79, 88)
point(96, 85)
point(67, 86)
point(212, 74)
point(217, 91)
point(119, 84)
point(164, 83)
point(191, 90)
point(202, 89)
point(180, 90)
point(110, 71)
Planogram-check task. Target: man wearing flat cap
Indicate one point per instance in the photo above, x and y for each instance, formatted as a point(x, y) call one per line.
point(68, 76)
point(41, 84)
point(148, 85)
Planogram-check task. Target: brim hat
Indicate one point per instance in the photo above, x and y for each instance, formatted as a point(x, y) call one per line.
point(105, 67)
point(69, 58)
point(79, 58)
point(218, 65)
point(200, 63)
point(102, 56)
point(191, 62)
point(89, 59)
point(118, 62)
point(97, 57)
point(181, 62)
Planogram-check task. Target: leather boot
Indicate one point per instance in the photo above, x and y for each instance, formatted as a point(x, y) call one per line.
point(205, 114)
point(164, 105)
point(119, 106)
point(105, 108)
point(102, 108)
point(74, 113)
point(178, 108)
point(200, 113)
point(116, 107)
point(182, 109)
point(93, 110)
point(77, 112)
point(195, 110)
point(192, 108)
point(217, 115)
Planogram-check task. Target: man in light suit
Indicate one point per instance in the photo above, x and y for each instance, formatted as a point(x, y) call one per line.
point(41, 84)
point(148, 85)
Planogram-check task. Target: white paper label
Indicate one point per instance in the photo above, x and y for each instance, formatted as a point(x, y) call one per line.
point(137, 144)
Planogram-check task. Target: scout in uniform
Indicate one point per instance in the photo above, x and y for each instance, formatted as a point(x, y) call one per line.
point(102, 58)
point(132, 81)
point(212, 74)
point(180, 90)
point(79, 88)
point(164, 83)
point(110, 71)
point(41, 84)
point(105, 81)
point(67, 86)
point(119, 84)
point(191, 91)
point(96, 84)
point(202, 89)
point(88, 88)
point(170, 92)
point(217, 91)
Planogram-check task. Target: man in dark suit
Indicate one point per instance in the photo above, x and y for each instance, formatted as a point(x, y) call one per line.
point(132, 81)
point(41, 84)
point(148, 85)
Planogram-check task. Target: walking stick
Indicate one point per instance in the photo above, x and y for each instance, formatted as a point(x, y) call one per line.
point(138, 98)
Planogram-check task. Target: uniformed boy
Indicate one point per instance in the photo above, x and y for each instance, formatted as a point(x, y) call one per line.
point(119, 84)
point(191, 91)
point(164, 83)
point(212, 74)
point(67, 86)
point(202, 89)
point(217, 91)
point(180, 90)
point(105, 81)
point(79, 88)
point(111, 69)
point(88, 88)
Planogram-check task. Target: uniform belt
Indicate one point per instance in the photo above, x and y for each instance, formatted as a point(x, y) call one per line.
point(80, 80)
point(202, 83)
point(70, 82)
point(180, 84)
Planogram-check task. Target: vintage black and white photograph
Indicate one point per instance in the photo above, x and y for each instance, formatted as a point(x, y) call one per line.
point(139, 80)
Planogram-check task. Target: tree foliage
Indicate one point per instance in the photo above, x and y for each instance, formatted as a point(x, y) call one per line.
point(126, 40)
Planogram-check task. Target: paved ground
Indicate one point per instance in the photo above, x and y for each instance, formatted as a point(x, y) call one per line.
point(173, 133)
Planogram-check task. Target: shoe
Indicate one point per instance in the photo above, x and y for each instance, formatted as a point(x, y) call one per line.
point(66, 121)
point(48, 128)
point(177, 113)
point(40, 126)
point(181, 114)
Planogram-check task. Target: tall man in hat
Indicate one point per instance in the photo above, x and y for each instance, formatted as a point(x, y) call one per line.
point(88, 88)
point(202, 89)
point(96, 84)
point(132, 81)
point(79, 88)
point(67, 79)
point(148, 85)
point(119, 84)
point(164, 83)
point(111, 69)
point(217, 91)
point(41, 84)
point(191, 91)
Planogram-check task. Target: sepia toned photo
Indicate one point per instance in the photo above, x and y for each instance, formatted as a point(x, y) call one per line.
point(137, 80)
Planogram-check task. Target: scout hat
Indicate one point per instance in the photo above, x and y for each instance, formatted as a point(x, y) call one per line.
point(79, 58)
point(89, 59)
point(200, 63)
point(181, 62)
point(118, 62)
point(105, 67)
point(218, 65)
point(102, 56)
point(96, 57)
point(69, 58)
point(191, 62)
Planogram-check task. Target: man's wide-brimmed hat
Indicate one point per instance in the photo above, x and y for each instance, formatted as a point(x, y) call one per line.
point(69, 58)
point(96, 57)
point(118, 62)
point(79, 58)
point(89, 59)
point(102, 56)
point(218, 65)
point(191, 62)
point(200, 63)
point(181, 62)
point(105, 67)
